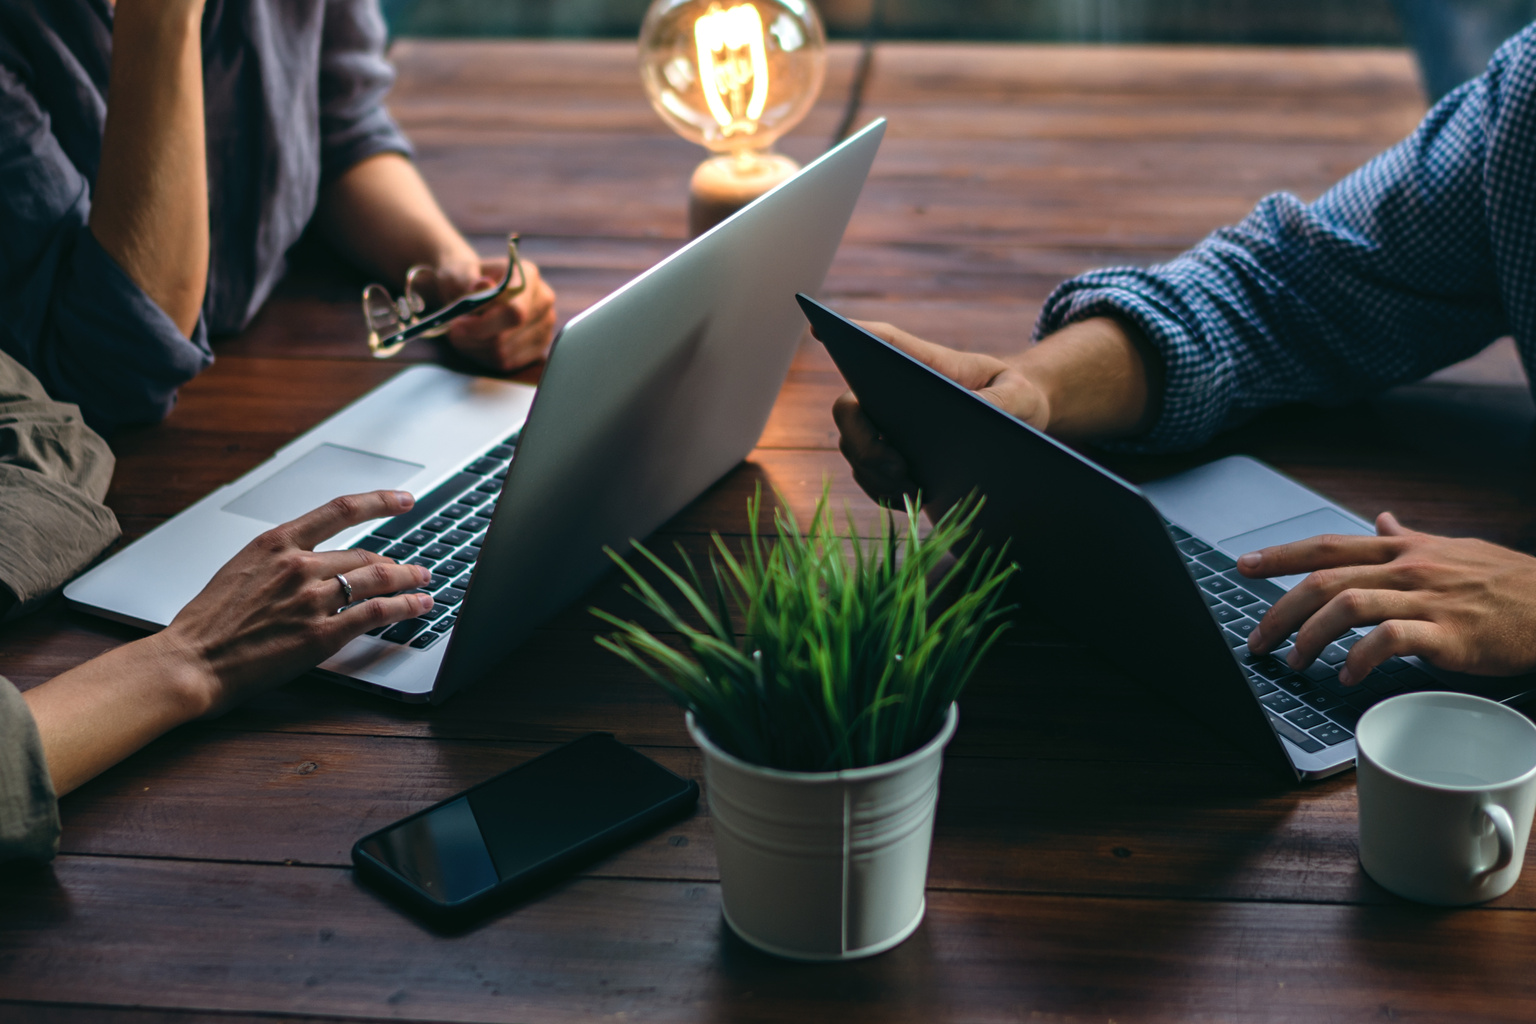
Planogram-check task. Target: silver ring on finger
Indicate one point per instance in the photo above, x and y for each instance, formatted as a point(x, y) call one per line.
point(346, 592)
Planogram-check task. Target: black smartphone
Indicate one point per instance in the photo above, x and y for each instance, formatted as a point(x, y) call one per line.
point(525, 827)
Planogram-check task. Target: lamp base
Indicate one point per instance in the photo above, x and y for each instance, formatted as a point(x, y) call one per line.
point(724, 184)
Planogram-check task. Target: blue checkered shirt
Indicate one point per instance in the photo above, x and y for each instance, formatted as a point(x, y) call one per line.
point(1417, 260)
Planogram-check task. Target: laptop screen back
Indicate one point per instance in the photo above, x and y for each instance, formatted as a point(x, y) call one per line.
point(1093, 552)
point(650, 396)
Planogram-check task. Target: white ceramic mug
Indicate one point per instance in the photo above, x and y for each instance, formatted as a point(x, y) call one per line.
point(1447, 784)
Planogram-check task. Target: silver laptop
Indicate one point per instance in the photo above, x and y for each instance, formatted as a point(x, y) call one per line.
point(650, 396)
point(1147, 574)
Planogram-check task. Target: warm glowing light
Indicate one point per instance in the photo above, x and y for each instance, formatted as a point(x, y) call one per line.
point(732, 75)
point(733, 65)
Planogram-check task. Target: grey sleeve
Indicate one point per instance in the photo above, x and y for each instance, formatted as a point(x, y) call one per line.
point(29, 812)
point(354, 79)
point(54, 472)
point(68, 312)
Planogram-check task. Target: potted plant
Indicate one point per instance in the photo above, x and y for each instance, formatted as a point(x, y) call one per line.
point(819, 674)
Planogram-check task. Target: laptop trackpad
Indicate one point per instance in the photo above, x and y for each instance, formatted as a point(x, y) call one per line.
point(315, 478)
point(1323, 520)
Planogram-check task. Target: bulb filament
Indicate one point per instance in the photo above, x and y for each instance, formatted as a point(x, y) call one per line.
point(733, 66)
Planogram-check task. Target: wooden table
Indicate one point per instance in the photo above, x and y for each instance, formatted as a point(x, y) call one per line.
point(1080, 871)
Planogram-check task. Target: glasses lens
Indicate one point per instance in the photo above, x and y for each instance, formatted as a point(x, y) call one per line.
point(411, 302)
point(379, 309)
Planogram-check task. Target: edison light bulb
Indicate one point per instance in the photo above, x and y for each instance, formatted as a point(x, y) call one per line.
point(733, 77)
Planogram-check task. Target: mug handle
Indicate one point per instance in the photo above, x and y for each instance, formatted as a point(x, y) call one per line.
point(1504, 828)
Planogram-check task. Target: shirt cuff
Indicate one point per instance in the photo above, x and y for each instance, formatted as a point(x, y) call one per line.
point(115, 352)
point(29, 811)
point(53, 530)
point(1195, 389)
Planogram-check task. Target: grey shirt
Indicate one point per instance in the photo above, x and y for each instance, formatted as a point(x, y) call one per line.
point(54, 473)
point(294, 95)
point(29, 813)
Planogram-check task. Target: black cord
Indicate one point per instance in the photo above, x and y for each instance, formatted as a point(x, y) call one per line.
point(860, 74)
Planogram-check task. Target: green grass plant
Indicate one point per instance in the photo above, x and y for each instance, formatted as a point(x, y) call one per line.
point(850, 651)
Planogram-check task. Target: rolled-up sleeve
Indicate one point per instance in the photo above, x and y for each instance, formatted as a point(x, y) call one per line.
point(29, 811)
point(68, 312)
point(1387, 277)
point(354, 79)
point(54, 472)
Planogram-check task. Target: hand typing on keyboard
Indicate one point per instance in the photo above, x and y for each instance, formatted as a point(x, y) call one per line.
point(272, 611)
point(1461, 604)
point(266, 616)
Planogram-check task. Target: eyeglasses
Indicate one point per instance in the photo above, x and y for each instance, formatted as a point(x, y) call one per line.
point(394, 321)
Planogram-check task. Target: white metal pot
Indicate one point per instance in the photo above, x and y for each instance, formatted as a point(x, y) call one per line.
point(824, 865)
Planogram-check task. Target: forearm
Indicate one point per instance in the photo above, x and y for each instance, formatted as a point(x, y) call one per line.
point(1098, 378)
point(93, 716)
point(150, 204)
point(383, 217)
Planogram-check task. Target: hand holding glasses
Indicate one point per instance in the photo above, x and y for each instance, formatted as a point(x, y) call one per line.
point(394, 321)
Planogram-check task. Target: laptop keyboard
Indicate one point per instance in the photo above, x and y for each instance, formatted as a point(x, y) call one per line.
point(443, 531)
point(1311, 708)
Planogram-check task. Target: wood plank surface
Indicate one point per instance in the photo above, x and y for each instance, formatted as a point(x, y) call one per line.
point(238, 937)
point(1009, 823)
point(1098, 855)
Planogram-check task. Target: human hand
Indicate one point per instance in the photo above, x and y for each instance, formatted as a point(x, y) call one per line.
point(272, 611)
point(514, 330)
point(877, 466)
point(1461, 604)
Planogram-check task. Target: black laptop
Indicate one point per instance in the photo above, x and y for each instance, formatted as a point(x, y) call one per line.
point(1144, 574)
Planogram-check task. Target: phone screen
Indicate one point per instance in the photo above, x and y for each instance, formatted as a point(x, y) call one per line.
point(523, 818)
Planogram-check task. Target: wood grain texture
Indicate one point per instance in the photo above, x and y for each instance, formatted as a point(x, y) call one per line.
point(1006, 823)
point(239, 938)
point(1098, 856)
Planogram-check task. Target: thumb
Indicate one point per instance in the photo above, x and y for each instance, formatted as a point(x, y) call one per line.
point(1388, 526)
point(994, 395)
point(1016, 394)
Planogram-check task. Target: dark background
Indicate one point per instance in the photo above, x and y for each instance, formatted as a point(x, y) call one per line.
point(1315, 22)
